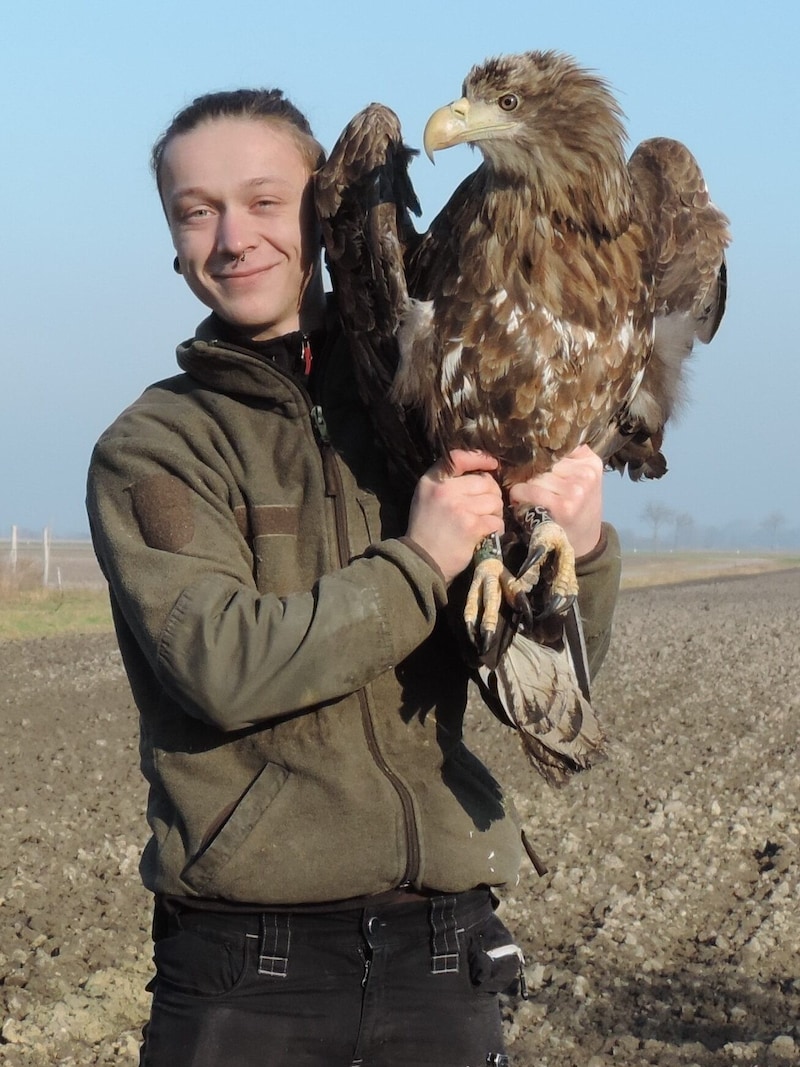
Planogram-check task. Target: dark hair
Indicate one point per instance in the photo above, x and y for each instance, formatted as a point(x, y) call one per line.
point(268, 104)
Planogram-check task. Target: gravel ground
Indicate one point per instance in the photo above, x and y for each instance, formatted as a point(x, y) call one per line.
point(665, 933)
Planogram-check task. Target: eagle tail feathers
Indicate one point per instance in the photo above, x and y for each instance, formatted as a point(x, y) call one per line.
point(535, 688)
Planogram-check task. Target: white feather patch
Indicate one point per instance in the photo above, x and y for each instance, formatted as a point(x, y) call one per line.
point(450, 365)
point(416, 325)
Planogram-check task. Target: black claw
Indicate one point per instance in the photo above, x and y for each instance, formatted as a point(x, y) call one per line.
point(523, 607)
point(482, 639)
point(534, 555)
point(557, 605)
point(486, 641)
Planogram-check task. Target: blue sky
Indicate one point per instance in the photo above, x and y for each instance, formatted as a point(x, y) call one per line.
point(92, 310)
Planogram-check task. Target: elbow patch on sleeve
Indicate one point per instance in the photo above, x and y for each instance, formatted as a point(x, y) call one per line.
point(162, 505)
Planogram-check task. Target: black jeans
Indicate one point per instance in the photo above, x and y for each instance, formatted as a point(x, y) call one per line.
point(400, 985)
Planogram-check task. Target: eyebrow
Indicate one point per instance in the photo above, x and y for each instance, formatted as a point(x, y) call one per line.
point(268, 179)
point(253, 183)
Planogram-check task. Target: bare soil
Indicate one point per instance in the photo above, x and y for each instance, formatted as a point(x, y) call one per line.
point(666, 931)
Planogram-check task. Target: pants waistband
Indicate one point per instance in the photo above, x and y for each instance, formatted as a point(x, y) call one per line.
point(411, 905)
point(439, 919)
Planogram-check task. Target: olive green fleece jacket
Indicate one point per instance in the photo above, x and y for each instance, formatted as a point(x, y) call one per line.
point(301, 699)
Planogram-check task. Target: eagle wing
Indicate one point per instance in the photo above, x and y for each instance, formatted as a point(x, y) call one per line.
point(365, 199)
point(688, 238)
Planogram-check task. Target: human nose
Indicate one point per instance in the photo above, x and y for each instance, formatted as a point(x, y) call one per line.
point(234, 236)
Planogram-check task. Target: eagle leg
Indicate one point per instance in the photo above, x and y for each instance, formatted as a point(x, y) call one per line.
point(549, 568)
point(489, 586)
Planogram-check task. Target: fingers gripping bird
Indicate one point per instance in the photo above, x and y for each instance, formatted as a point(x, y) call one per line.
point(552, 303)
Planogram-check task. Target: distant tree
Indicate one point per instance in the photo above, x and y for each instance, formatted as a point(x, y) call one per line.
point(656, 515)
point(771, 524)
point(682, 521)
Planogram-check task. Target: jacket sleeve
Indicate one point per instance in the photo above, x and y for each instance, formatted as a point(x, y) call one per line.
point(185, 599)
point(598, 584)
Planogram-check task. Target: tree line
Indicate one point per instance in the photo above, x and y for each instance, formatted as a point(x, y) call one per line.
point(670, 529)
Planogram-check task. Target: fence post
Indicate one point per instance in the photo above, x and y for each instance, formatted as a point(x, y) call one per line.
point(13, 555)
point(46, 549)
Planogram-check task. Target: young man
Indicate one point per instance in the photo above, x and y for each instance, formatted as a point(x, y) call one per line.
point(324, 847)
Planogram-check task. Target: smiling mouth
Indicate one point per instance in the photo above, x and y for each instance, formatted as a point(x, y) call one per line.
point(228, 276)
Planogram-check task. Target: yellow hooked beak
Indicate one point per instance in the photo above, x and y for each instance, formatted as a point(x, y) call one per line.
point(462, 122)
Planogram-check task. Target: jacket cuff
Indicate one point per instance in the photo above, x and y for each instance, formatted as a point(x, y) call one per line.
point(598, 578)
point(608, 545)
point(409, 542)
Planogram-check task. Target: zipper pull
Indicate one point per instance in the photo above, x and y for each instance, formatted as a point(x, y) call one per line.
point(318, 421)
point(307, 356)
point(330, 470)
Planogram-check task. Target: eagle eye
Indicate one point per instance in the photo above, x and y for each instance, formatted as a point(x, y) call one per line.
point(508, 102)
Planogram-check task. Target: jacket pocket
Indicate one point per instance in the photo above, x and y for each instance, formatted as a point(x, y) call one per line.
point(233, 830)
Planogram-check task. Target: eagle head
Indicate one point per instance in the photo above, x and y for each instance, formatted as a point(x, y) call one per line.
point(543, 122)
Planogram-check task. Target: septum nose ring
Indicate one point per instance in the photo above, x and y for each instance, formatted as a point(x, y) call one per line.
point(240, 259)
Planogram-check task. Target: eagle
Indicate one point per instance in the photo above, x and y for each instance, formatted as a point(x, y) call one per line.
point(553, 302)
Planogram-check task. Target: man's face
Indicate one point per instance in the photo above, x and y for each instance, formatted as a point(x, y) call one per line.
point(234, 187)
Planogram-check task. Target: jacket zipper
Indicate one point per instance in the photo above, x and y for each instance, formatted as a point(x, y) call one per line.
point(335, 490)
point(412, 847)
point(333, 484)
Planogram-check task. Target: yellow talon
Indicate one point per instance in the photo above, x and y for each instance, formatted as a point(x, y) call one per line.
point(484, 596)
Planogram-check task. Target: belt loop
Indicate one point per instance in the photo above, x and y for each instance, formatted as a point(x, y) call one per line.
point(273, 957)
point(444, 936)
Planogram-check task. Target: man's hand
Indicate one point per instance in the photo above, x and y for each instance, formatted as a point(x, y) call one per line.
point(452, 511)
point(573, 494)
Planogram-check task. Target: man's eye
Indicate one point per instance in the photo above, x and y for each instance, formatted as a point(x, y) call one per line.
point(192, 213)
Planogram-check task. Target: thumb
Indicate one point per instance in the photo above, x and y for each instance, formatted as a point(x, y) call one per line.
point(474, 461)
